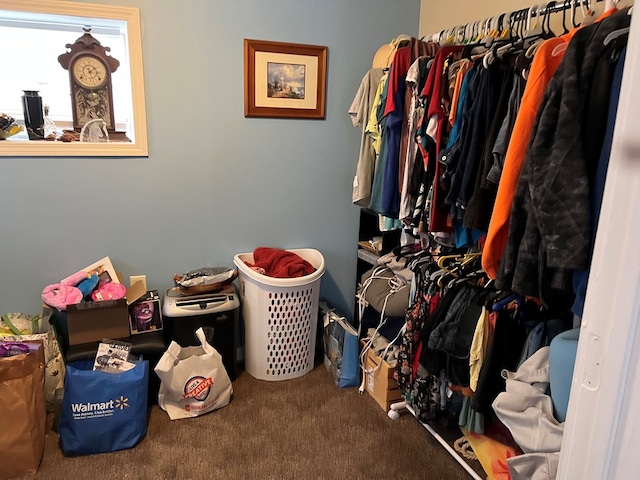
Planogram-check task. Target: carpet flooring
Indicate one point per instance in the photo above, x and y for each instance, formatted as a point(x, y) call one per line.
point(305, 428)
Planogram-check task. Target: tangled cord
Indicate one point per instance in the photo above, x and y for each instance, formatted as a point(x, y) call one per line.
point(463, 447)
point(396, 284)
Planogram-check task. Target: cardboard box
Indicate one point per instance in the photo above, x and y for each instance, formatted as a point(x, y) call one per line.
point(379, 382)
point(145, 314)
point(92, 321)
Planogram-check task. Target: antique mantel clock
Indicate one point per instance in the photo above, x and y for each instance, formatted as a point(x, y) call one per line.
point(90, 68)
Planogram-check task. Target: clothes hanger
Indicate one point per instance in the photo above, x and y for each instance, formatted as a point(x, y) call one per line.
point(609, 4)
point(499, 32)
point(457, 275)
point(483, 30)
point(470, 33)
point(510, 36)
point(549, 7)
point(475, 45)
point(497, 29)
point(573, 14)
point(508, 28)
point(488, 31)
point(469, 258)
point(504, 37)
point(542, 17)
point(536, 34)
point(520, 22)
point(546, 18)
point(564, 11)
point(590, 17)
point(615, 34)
point(517, 42)
point(515, 34)
point(532, 28)
point(585, 10)
point(444, 258)
point(460, 275)
point(461, 259)
point(445, 274)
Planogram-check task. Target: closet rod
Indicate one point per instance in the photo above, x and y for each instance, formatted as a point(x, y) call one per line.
point(552, 7)
point(558, 7)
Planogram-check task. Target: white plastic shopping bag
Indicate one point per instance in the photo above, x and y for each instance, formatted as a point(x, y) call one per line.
point(193, 380)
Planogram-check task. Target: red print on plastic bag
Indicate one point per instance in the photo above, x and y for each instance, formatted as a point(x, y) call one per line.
point(198, 388)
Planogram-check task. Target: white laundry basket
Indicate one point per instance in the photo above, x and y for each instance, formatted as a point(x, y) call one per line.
point(280, 318)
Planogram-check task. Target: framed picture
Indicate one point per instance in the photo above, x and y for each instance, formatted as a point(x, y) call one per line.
point(104, 269)
point(284, 80)
point(145, 314)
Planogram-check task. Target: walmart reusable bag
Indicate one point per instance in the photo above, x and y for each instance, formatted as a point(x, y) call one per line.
point(103, 412)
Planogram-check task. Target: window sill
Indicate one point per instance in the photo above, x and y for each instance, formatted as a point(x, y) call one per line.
point(43, 148)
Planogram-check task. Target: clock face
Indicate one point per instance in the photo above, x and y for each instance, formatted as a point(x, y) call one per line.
point(89, 72)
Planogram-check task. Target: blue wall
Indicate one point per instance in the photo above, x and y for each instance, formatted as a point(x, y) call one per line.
point(215, 183)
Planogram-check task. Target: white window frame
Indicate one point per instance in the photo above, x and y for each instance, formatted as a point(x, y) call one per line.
point(138, 147)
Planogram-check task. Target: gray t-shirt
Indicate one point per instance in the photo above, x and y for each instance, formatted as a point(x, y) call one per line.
point(359, 112)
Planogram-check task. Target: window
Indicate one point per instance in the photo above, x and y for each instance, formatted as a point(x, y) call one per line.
point(41, 29)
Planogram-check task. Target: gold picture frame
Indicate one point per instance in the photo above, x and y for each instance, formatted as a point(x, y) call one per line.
point(284, 80)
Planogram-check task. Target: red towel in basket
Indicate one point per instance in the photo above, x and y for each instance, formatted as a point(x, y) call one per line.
point(275, 262)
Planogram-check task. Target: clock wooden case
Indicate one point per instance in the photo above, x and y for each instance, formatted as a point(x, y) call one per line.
point(90, 68)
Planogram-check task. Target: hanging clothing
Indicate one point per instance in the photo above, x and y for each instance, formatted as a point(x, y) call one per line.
point(545, 63)
point(580, 277)
point(504, 351)
point(550, 231)
point(373, 126)
point(479, 208)
point(393, 117)
point(468, 149)
point(479, 347)
point(527, 411)
point(360, 111)
point(499, 151)
point(473, 138)
point(417, 71)
point(375, 203)
point(464, 66)
point(439, 216)
point(386, 198)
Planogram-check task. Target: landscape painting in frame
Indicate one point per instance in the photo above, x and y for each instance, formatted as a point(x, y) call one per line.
point(285, 80)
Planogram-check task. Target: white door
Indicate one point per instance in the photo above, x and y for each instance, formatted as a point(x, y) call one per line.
point(602, 429)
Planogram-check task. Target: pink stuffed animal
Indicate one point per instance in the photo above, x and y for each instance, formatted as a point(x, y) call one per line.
point(59, 295)
point(109, 291)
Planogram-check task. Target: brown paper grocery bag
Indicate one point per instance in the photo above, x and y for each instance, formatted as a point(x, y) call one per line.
point(23, 412)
